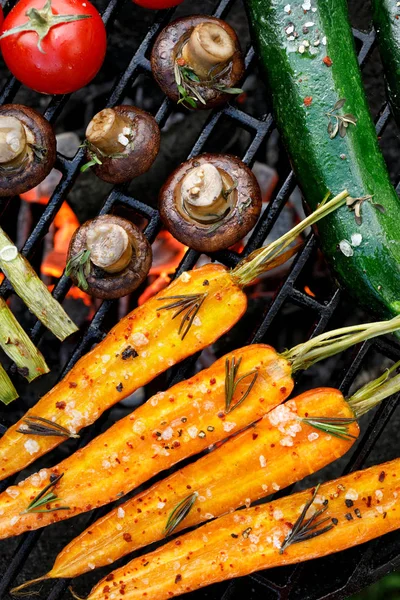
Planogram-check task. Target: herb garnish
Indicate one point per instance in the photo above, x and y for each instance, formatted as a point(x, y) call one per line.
point(44, 427)
point(189, 305)
point(46, 496)
point(79, 267)
point(187, 82)
point(339, 123)
point(306, 529)
point(335, 426)
point(231, 383)
point(96, 154)
point(355, 204)
point(180, 512)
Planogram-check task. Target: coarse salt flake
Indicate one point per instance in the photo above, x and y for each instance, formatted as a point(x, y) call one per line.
point(277, 514)
point(306, 5)
point(139, 339)
point(254, 538)
point(197, 321)
point(127, 131)
point(290, 29)
point(324, 40)
point(279, 415)
point(275, 486)
point(12, 492)
point(161, 505)
point(120, 513)
point(185, 277)
point(192, 431)
point(138, 427)
point(286, 441)
point(263, 461)
point(302, 49)
point(228, 425)
point(345, 248)
point(167, 433)
point(309, 24)
point(91, 565)
point(356, 239)
point(123, 140)
point(351, 495)
point(118, 526)
point(31, 446)
point(378, 494)
point(14, 520)
point(286, 8)
point(313, 436)
point(106, 464)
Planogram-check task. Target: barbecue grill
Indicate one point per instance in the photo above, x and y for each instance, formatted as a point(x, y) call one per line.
point(288, 314)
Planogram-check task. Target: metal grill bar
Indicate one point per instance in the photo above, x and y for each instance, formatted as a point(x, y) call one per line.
point(293, 583)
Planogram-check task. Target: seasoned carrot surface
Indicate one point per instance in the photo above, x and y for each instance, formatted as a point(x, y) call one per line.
point(279, 450)
point(171, 426)
point(141, 346)
point(346, 512)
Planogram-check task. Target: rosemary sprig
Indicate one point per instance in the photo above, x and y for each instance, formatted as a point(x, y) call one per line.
point(231, 383)
point(46, 496)
point(336, 426)
point(306, 529)
point(95, 154)
point(187, 81)
point(79, 267)
point(339, 123)
point(189, 305)
point(179, 513)
point(45, 428)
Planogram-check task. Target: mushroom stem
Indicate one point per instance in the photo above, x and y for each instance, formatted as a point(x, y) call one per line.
point(110, 247)
point(209, 45)
point(13, 143)
point(204, 193)
point(109, 132)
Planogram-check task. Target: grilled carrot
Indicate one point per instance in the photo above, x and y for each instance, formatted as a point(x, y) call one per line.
point(169, 427)
point(337, 515)
point(288, 444)
point(193, 312)
point(236, 391)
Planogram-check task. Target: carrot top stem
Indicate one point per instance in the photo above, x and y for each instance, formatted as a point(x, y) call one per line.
point(276, 253)
point(372, 394)
point(327, 344)
point(19, 590)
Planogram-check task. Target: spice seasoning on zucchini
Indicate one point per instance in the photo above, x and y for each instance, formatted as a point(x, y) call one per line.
point(282, 448)
point(322, 65)
point(179, 423)
point(386, 16)
point(32, 290)
point(94, 383)
point(265, 536)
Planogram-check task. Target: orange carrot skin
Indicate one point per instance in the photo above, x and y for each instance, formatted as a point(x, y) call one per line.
point(103, 377)
point(168, 428)
point(250, 540)
point(276, 452)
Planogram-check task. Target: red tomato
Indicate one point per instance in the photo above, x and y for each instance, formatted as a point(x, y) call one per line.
point(1, 16)
point(72, 52)
point(158, 4)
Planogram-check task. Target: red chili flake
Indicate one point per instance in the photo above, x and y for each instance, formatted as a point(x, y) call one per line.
point(382, 476)
point(282, 390)
point(178, 578)
point(127, 537)
point(110, 577)
point(307, 100)
point(61, 405)
point(213, 381)
point(178, 543)
point(72, 384)
point(327, 61)
point(106, 589)
point(369, 501)
point(255, 436)
point(181, 62)
point(176, 444)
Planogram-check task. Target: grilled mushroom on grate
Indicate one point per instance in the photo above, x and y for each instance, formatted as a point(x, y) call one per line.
point(197, 61)
point(210, 202)
point(27, 149)
point(121, 143)
point(108, 257)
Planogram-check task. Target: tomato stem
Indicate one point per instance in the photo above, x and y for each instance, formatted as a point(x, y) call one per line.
point(41, 22)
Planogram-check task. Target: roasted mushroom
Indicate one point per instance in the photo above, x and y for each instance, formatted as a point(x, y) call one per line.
point(27, 149)
point(108, 257)
point(122, 143)
point(197, 61)
point(210, 202)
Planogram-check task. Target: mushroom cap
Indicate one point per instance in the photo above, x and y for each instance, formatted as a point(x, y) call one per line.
point(165, 50)
point(138, 160)
point(39, 132)
point(114, 285)
point(213, 236)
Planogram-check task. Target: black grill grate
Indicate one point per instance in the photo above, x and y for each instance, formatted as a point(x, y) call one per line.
point(333, 577)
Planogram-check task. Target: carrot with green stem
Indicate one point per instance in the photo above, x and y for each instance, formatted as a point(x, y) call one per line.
point(289, 443)
point(329, 518)
point(236, 391)
point(190, 314)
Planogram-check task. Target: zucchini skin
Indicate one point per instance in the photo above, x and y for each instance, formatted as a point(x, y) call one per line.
point(387, 28)
point(322, 164)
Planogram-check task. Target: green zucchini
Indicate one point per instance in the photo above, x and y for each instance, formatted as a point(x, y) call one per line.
point(386, 15)
point(307, 51)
